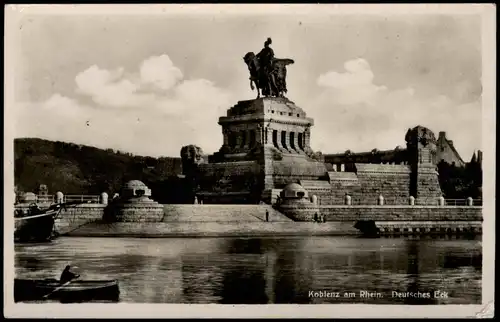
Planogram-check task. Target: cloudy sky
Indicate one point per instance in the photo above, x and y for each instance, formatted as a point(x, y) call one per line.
point(149, 84)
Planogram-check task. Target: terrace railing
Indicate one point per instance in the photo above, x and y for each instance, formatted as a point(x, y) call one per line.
point(66, 198)
point(392, 201)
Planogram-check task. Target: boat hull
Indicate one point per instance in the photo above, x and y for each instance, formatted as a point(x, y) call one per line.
point(34, 230)
point(26, 290)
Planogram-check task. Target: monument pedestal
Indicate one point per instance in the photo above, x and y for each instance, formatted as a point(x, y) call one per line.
point(266, 147)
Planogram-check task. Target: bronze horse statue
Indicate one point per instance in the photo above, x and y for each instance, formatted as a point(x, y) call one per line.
point(272, 83)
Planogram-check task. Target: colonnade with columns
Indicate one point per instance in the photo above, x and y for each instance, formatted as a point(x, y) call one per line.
point(288, 139)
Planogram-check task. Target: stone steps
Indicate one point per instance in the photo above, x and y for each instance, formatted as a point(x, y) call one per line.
point(221, 213)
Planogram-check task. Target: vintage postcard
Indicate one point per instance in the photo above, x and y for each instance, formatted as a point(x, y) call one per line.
point(249, 161)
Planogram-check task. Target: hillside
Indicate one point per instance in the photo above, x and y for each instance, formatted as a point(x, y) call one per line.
point(80, 169)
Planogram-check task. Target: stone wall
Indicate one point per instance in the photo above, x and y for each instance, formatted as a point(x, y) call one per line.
point(292, 170)
point(304, 212)
point(77, 216)
point(428, 188)
point(298, 212)
point(402, 213)
point(219, 180)
point(74, 216)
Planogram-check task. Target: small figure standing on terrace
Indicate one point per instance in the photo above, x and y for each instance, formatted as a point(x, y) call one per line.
point(267, 215)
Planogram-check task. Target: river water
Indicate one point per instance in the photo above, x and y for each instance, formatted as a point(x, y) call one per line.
point(268, 270)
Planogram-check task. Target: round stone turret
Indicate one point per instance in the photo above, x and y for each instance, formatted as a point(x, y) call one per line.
point(135, 205)
point(296, 204)
point(135, 189)
point(294, 191)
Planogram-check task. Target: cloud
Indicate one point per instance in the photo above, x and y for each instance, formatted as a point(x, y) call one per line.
point(353, 86)
point(108, 88)
point(353, 113)
point(155, 110)
point(152, 112)
point(160, 71)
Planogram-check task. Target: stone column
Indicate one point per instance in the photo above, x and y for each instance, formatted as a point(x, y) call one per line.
point(246, 138)
point(225, 133)
point(296, 143)
point(259, 134)
point(269, 137)
point(239, 139)
point(307, 138)
point(104, 198)
point(280, 146)
point(380, 200)
point(287, 141)
point(59, 197)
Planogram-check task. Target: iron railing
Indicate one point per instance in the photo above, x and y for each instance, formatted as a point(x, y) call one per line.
point(82, 198)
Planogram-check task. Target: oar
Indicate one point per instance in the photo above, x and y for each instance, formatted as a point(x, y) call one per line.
point(57, 289)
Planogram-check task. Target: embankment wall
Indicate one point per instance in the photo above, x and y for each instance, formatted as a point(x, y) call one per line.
point(86, 220)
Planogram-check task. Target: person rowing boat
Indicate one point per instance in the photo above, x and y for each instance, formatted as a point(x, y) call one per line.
point(67, 275)
point(66, 278)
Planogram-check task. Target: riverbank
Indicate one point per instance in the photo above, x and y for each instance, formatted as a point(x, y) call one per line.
point(264, 220)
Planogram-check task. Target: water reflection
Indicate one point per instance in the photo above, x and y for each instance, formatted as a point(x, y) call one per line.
point(266, 270)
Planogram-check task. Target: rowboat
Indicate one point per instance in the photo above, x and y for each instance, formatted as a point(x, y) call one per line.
point(26, 290)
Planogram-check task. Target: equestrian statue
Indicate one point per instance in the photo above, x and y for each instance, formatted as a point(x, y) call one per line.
point(267, 72)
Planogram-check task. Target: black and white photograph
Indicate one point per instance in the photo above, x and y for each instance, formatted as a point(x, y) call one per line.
point(249, 160)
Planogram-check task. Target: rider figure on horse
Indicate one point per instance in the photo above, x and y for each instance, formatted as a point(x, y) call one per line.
point(267, 72)
point(265, 57)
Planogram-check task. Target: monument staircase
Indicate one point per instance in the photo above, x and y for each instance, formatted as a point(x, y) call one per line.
point(390, 181)
point(221, 213)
